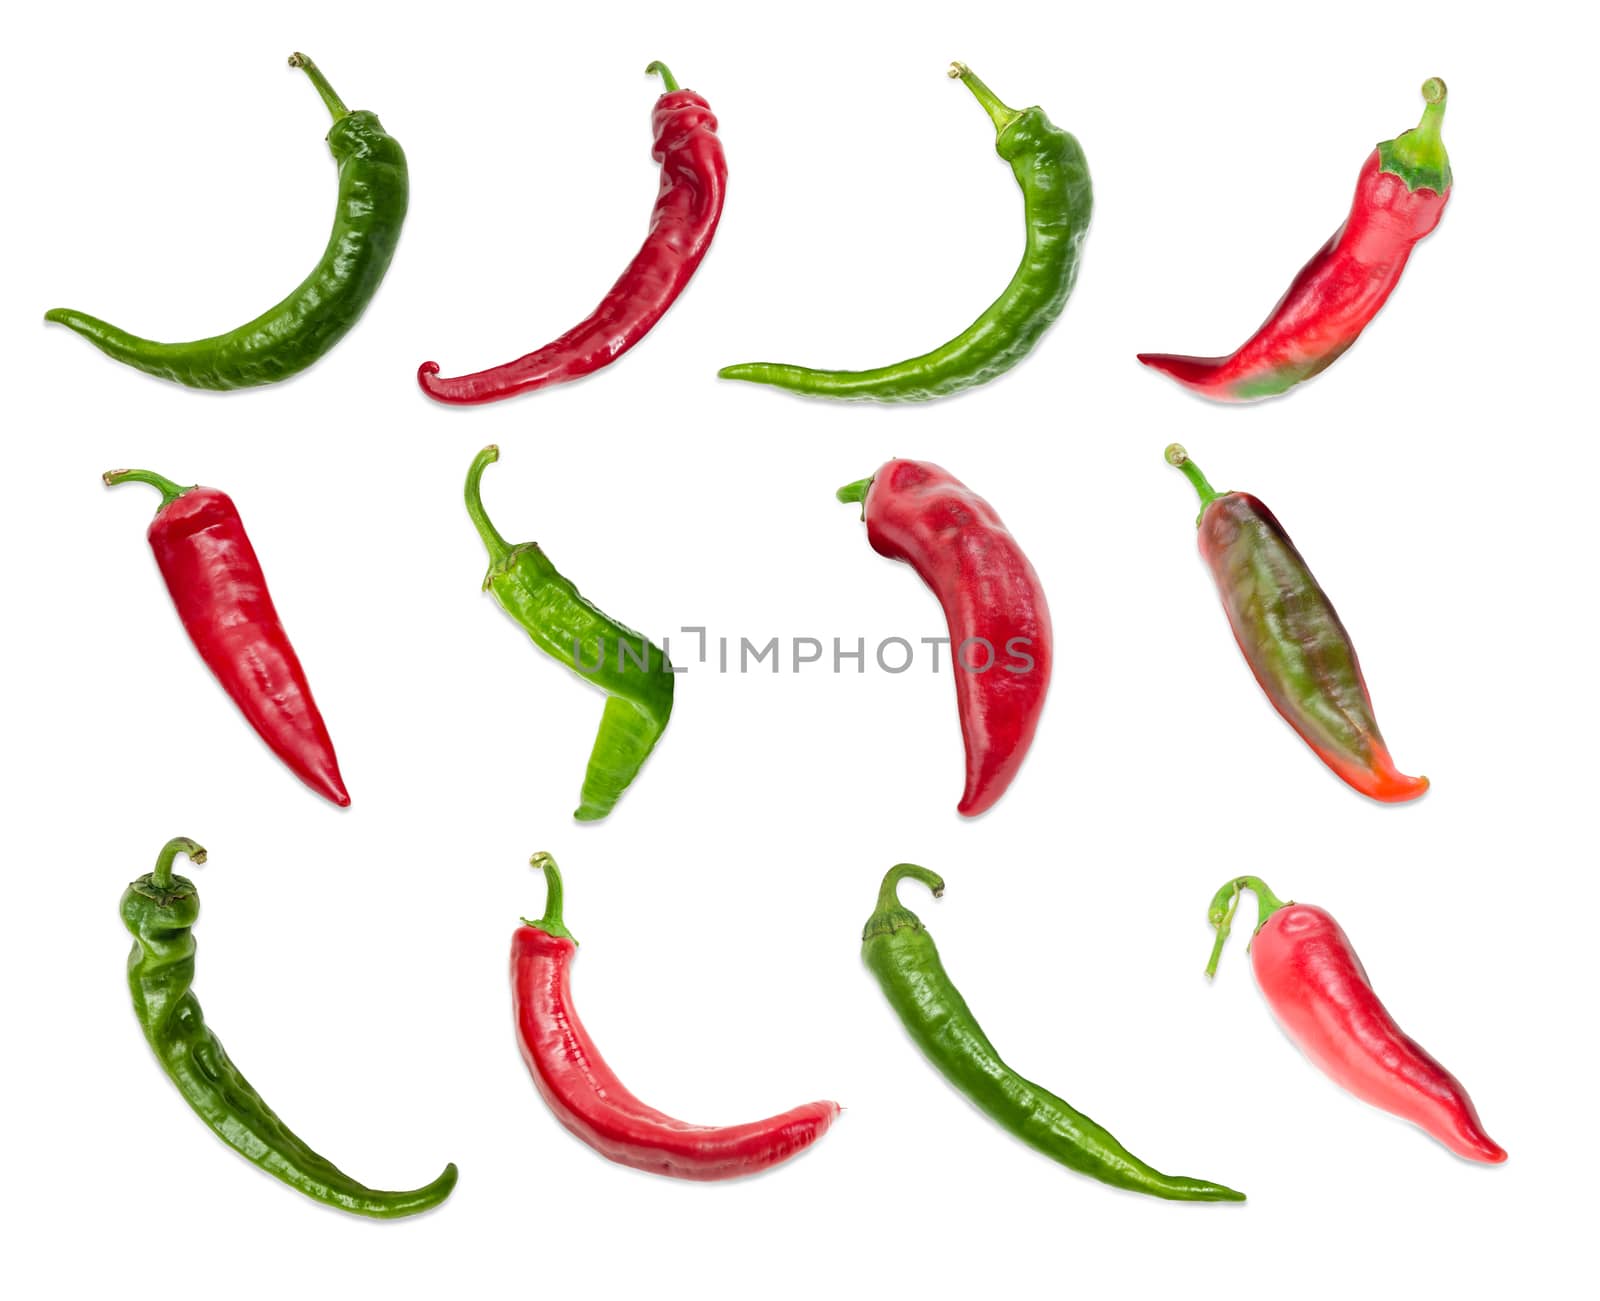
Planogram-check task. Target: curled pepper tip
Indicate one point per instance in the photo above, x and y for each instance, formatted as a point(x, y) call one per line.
point(887, 897)
point(161, 874)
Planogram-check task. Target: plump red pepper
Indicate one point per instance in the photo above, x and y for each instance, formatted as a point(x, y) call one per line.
point(1000, 641)
point(1318, 990)
point(221, 594)
point(694, 179)
point(592, 1103)
point(1399, 198)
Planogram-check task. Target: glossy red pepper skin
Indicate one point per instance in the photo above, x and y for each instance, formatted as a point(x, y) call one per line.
point(1319, 992)
point(588, 1098)
point(221, 596)
point(694, 181)
point(993, 604)
point(1338, 292)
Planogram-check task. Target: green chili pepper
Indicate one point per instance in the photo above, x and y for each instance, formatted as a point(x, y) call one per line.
point(1057, 198)
point(902, 955)
point(635, 675)
point(373, 191)
point(160, 909)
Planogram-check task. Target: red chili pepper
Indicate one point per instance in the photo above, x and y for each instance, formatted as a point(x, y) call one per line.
point(694, 179)
point(992, 600)
point(1399, 198)
point(592, 1103)
point(221, 595)
point(1318, 990)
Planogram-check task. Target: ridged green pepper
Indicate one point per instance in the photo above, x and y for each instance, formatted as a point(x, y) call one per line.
point(159, 909)
point(632, 671)
point(285, 339)
point(901, 954)
point(1057, 200)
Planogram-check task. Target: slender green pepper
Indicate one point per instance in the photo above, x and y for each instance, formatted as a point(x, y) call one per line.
point(1057, 198)
point(160, 909)
point(373, 192)
point(634, 673)
point(902, 955)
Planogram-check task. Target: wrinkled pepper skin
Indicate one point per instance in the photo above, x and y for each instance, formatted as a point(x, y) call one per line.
point(694, 184)
point(918, 513)
point(1318, 990)
point(159, 910)
point(593, 1104)
point(1400, 196)
point(285, 339)
point(899, 951)
point(632, 671)
point(1293, 640)
point(221, 595)
point(1058, 199)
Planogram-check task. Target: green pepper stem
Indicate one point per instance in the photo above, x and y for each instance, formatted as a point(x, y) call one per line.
point(669, 83)
point(1418, 156)
point(853, 492)
point(1002, 115)
point(329, 95)
point(497, 545)
point(1226, 901)
point(551, 923)
point(1176, 455)
point(888, 898)
point(161, 877)
point(170, 492)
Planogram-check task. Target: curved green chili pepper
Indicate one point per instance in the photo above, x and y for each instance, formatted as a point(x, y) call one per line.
point(1057, 198)
point(634, 674)
point(160, 909)
point(373, 192)
point(902, 955)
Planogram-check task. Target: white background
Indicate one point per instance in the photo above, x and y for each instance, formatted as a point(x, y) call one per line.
point(167, 171)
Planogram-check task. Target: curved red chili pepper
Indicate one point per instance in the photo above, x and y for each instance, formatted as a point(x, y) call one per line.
point(694, 179)
point(1319, 992)
point(1399, 198)
point(592, 1103)
point(221, 595)
point(992, 600)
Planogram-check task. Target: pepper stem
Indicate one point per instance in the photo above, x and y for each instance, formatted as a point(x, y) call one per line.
point(669, 83)
point(1418, 156)
point(856, 491)
point(170, 492)
point(550, 923)
point(497, 545)
point(888, 897)
point(1226, 901)
point(1176, 455)
point(161, 877)
point(891, 915)
point(1001, 115)
point(329, 95)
